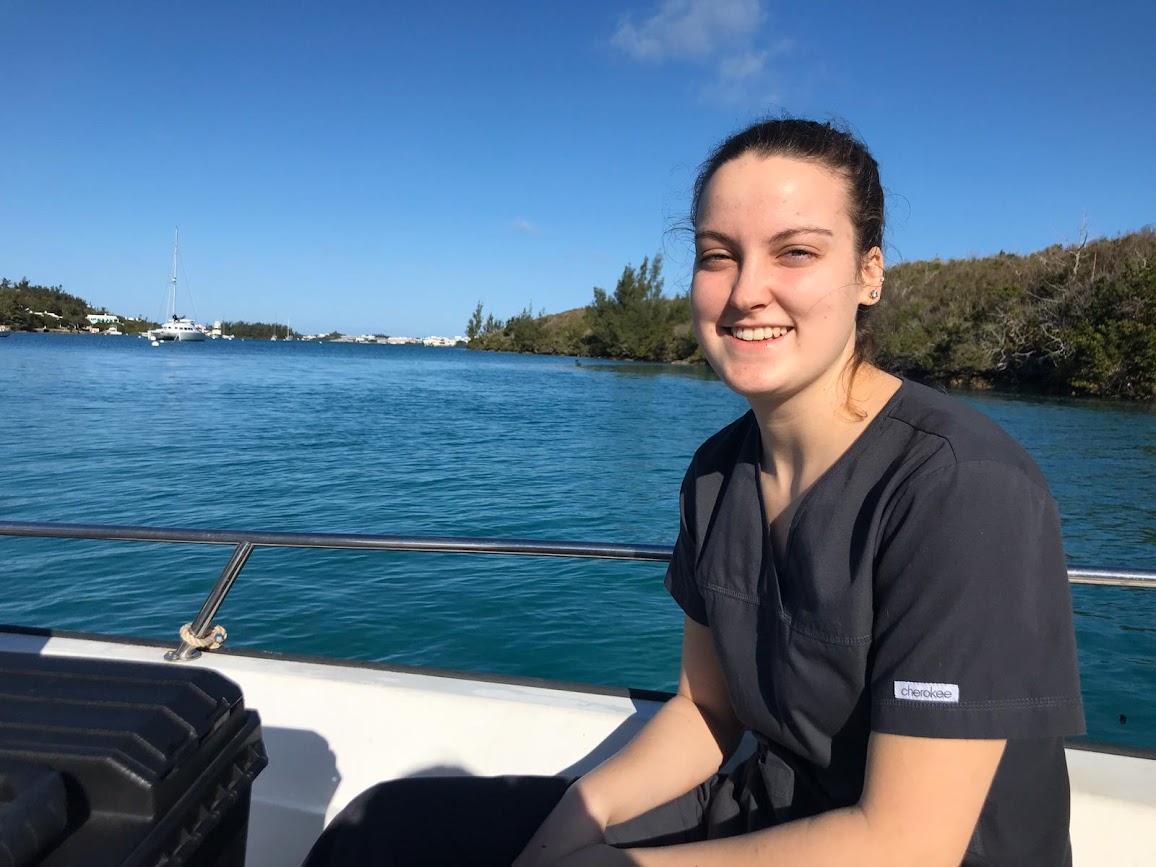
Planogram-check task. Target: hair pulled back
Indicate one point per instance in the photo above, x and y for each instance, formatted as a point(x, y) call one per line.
point(830, 146)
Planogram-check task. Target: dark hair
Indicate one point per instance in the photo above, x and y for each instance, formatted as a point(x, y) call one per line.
point(842, 153)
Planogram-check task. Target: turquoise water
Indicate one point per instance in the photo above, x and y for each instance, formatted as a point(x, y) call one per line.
point(384, 439)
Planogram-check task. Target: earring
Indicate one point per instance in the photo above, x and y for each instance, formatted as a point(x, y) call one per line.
point(874, 293)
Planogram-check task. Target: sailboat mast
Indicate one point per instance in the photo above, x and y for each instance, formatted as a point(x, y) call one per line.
point(173, 280)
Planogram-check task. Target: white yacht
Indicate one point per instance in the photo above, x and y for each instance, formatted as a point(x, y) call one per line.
point(179, 328)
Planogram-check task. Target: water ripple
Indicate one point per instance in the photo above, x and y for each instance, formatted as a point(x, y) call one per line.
point(377, 439)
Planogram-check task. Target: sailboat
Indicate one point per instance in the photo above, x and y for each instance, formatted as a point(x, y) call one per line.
point(179, 328)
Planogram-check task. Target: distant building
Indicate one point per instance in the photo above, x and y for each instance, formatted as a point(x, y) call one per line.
point(101, 318)
point(442, 341)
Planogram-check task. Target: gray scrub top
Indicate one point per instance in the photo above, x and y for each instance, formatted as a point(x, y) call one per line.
point(922, 591)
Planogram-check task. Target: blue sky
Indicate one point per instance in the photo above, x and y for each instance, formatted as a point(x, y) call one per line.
point(382, 167)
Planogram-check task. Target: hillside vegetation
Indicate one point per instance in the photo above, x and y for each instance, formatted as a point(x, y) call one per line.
point(23, 307)
point(1075, 320)
point(259, 330)
point(26, 307)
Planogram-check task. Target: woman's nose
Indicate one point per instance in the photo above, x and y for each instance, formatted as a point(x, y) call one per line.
point(752, 289)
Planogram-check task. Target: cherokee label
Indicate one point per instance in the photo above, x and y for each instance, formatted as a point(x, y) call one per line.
point(942, 692)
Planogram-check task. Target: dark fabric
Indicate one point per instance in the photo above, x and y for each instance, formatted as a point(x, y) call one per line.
point(723, 806)
point(438, 821)
point(922, 591)
point(1032, 772)
point(971, 589)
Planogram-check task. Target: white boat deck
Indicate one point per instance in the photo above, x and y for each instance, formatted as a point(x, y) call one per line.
point(332, 730)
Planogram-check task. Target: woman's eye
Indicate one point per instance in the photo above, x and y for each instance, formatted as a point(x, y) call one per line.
point(800, 253)
point(713, 257)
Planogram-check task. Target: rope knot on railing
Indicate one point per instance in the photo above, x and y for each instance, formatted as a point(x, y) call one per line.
point(212, 641)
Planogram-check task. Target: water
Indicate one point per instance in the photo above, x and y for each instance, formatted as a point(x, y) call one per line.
point(412, 440)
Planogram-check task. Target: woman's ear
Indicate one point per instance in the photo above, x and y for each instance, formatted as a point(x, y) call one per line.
point(871, 277)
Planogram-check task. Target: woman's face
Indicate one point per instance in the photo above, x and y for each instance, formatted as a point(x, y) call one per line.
point(777, 277)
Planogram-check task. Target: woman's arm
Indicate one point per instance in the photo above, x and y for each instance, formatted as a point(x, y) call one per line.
point(920, 803)
point(686, 741)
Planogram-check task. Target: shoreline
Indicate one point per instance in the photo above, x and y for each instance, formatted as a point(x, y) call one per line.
point(978, 383)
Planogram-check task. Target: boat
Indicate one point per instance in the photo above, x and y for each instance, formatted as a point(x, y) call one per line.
point(175, 328)
point(5, 330)
point(178, 328)
point(332, 728)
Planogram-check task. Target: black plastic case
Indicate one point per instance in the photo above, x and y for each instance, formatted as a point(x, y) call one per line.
point(119, 763)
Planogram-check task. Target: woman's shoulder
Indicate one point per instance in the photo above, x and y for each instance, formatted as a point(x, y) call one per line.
point(736, 442)
point(939, 431)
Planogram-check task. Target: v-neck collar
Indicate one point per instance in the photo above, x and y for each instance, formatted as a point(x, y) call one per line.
point(752, 452)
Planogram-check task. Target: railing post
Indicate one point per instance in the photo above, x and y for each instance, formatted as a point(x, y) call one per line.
point(202, 622)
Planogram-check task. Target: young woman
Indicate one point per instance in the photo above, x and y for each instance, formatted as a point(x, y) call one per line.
point(873, 581)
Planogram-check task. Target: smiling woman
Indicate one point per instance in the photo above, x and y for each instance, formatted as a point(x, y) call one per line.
point(857, 199)
point(778, 277)
point(873, 581)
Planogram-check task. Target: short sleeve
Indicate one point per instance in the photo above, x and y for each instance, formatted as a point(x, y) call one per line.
point(680, 582)
point(973, 633)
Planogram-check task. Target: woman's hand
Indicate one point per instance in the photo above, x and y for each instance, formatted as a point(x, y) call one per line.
point(571, 827)
point(682, 745)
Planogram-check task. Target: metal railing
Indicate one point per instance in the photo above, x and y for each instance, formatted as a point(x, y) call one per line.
point(245, 541)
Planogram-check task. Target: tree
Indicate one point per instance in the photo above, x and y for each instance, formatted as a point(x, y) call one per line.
point(1111, 348)
point(637, 321)
point(474, 328)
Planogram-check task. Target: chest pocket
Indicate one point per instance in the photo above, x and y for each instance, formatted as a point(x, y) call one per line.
point(793, 647)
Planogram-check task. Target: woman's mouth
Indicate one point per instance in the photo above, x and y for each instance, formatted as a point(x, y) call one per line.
point(752, 335)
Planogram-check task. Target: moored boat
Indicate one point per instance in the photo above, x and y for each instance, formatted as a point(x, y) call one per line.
point(334, 727)
point(176, 328)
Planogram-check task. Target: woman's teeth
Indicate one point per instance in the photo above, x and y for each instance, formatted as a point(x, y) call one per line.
point(759, 333)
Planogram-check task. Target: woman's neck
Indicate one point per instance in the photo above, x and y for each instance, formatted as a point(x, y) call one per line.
point(803, 435)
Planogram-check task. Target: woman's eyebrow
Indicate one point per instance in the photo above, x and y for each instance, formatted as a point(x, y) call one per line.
point(786, 234)
point(777, 238)
point(710, 235)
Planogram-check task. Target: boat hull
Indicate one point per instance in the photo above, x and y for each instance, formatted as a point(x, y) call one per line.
point(333, 728)
point(167, 334)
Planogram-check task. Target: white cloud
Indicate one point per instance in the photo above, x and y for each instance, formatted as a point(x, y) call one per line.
point(689, 29)
point(729, 38)
point(746, 78)
point(743, 67)
point(524, 227)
